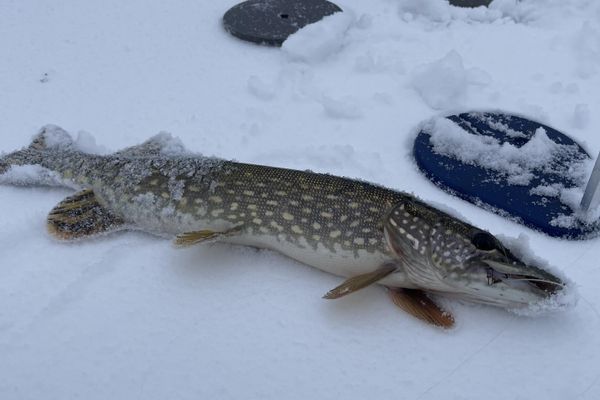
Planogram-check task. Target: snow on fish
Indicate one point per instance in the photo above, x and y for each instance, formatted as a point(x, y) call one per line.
point(354, 229)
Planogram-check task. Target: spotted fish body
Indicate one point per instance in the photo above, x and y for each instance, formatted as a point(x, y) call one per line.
point(329, 222)
point(343, 226)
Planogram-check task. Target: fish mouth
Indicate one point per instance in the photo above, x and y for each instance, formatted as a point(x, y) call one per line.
point(523, 277)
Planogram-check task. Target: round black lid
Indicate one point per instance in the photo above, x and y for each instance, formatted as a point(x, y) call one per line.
point(270, 22)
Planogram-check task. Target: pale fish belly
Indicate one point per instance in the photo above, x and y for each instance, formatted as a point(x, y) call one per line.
point(340, 263)
point(148, 213)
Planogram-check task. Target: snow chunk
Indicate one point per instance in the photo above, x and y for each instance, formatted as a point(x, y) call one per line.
point(547, 190)
point(581, 116)
point(344, 108)
point(442, 84)
point(259, 89)
point(517, 164)
point(316, 42)
point(586, 44)
point(170, 145)
point(30, 175)
point(442, 12)
point(379, 62)
point(86, 143)
point(479, 77)
point(365, 21)
point(55, 137)
point(572, 198)
point(566, 298)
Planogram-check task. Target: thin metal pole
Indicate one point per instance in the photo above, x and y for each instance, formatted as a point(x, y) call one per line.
point(592, 189)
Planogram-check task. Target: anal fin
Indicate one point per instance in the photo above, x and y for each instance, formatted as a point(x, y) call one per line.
point(418, 304)
point(80, 216)
point(358, 282)
point(204, 236)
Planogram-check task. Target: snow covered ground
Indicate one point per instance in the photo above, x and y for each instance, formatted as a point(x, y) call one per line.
point(129, 316)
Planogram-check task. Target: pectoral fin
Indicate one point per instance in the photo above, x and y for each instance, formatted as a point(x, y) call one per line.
point(358, 282)
point(204, 236)
point(80, 216)
point(418, 304)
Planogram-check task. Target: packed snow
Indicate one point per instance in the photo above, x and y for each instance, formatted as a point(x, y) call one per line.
point(316, 42)
point(518, 164)
point(130, 316)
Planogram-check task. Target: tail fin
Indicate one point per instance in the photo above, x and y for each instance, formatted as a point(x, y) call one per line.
point(49, 137)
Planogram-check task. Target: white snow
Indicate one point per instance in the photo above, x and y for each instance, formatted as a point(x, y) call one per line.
point(581, 116)
point(518, 164)
point(55, 137)
point(129, 316)
point(170, 145)
point(30, 175)
point(86, 143)
point(260, 89)
point(443, 84)
point(344, 108)
point(316, 42)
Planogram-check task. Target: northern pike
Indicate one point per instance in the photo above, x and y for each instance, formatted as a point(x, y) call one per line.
point(354, 229)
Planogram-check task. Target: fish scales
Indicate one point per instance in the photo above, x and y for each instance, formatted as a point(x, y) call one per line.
point(347, 227)
point(280, 207)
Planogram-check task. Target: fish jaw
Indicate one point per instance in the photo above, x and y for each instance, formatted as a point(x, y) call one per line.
point(444, 255)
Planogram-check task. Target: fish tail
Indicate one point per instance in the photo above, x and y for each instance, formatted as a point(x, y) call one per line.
point(50, 137)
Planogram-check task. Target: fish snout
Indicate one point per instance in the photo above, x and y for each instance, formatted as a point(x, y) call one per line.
point(516, 274)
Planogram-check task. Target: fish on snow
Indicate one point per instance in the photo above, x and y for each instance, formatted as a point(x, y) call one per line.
point(354, 229)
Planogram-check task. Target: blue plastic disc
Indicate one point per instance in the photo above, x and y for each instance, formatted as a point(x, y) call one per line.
point(505, 168)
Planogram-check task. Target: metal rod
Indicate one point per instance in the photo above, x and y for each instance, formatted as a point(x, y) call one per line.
point(592, 189)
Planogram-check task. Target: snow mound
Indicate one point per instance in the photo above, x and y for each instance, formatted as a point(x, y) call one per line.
point(343, 108)
point(516, 164)
point(443, 84)
point(260, 89)
point(375, 63)
point(316, 42)
point(30, 175)
point(442, 12)
point(586, 45)
point(163, 143)
point(572, 198)
point(55, 137)
point(564, 299)
point(86, 143)
point(581, 116)
point(520, 165)
point(170, 145)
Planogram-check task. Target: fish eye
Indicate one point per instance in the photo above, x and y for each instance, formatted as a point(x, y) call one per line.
point(484, 241)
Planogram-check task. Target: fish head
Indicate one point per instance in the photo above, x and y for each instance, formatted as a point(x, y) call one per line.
point(442, 254)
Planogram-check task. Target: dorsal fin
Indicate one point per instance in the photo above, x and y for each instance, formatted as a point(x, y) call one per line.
point(161, 144)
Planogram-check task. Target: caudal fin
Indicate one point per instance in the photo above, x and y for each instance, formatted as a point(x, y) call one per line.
point(48, 138)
